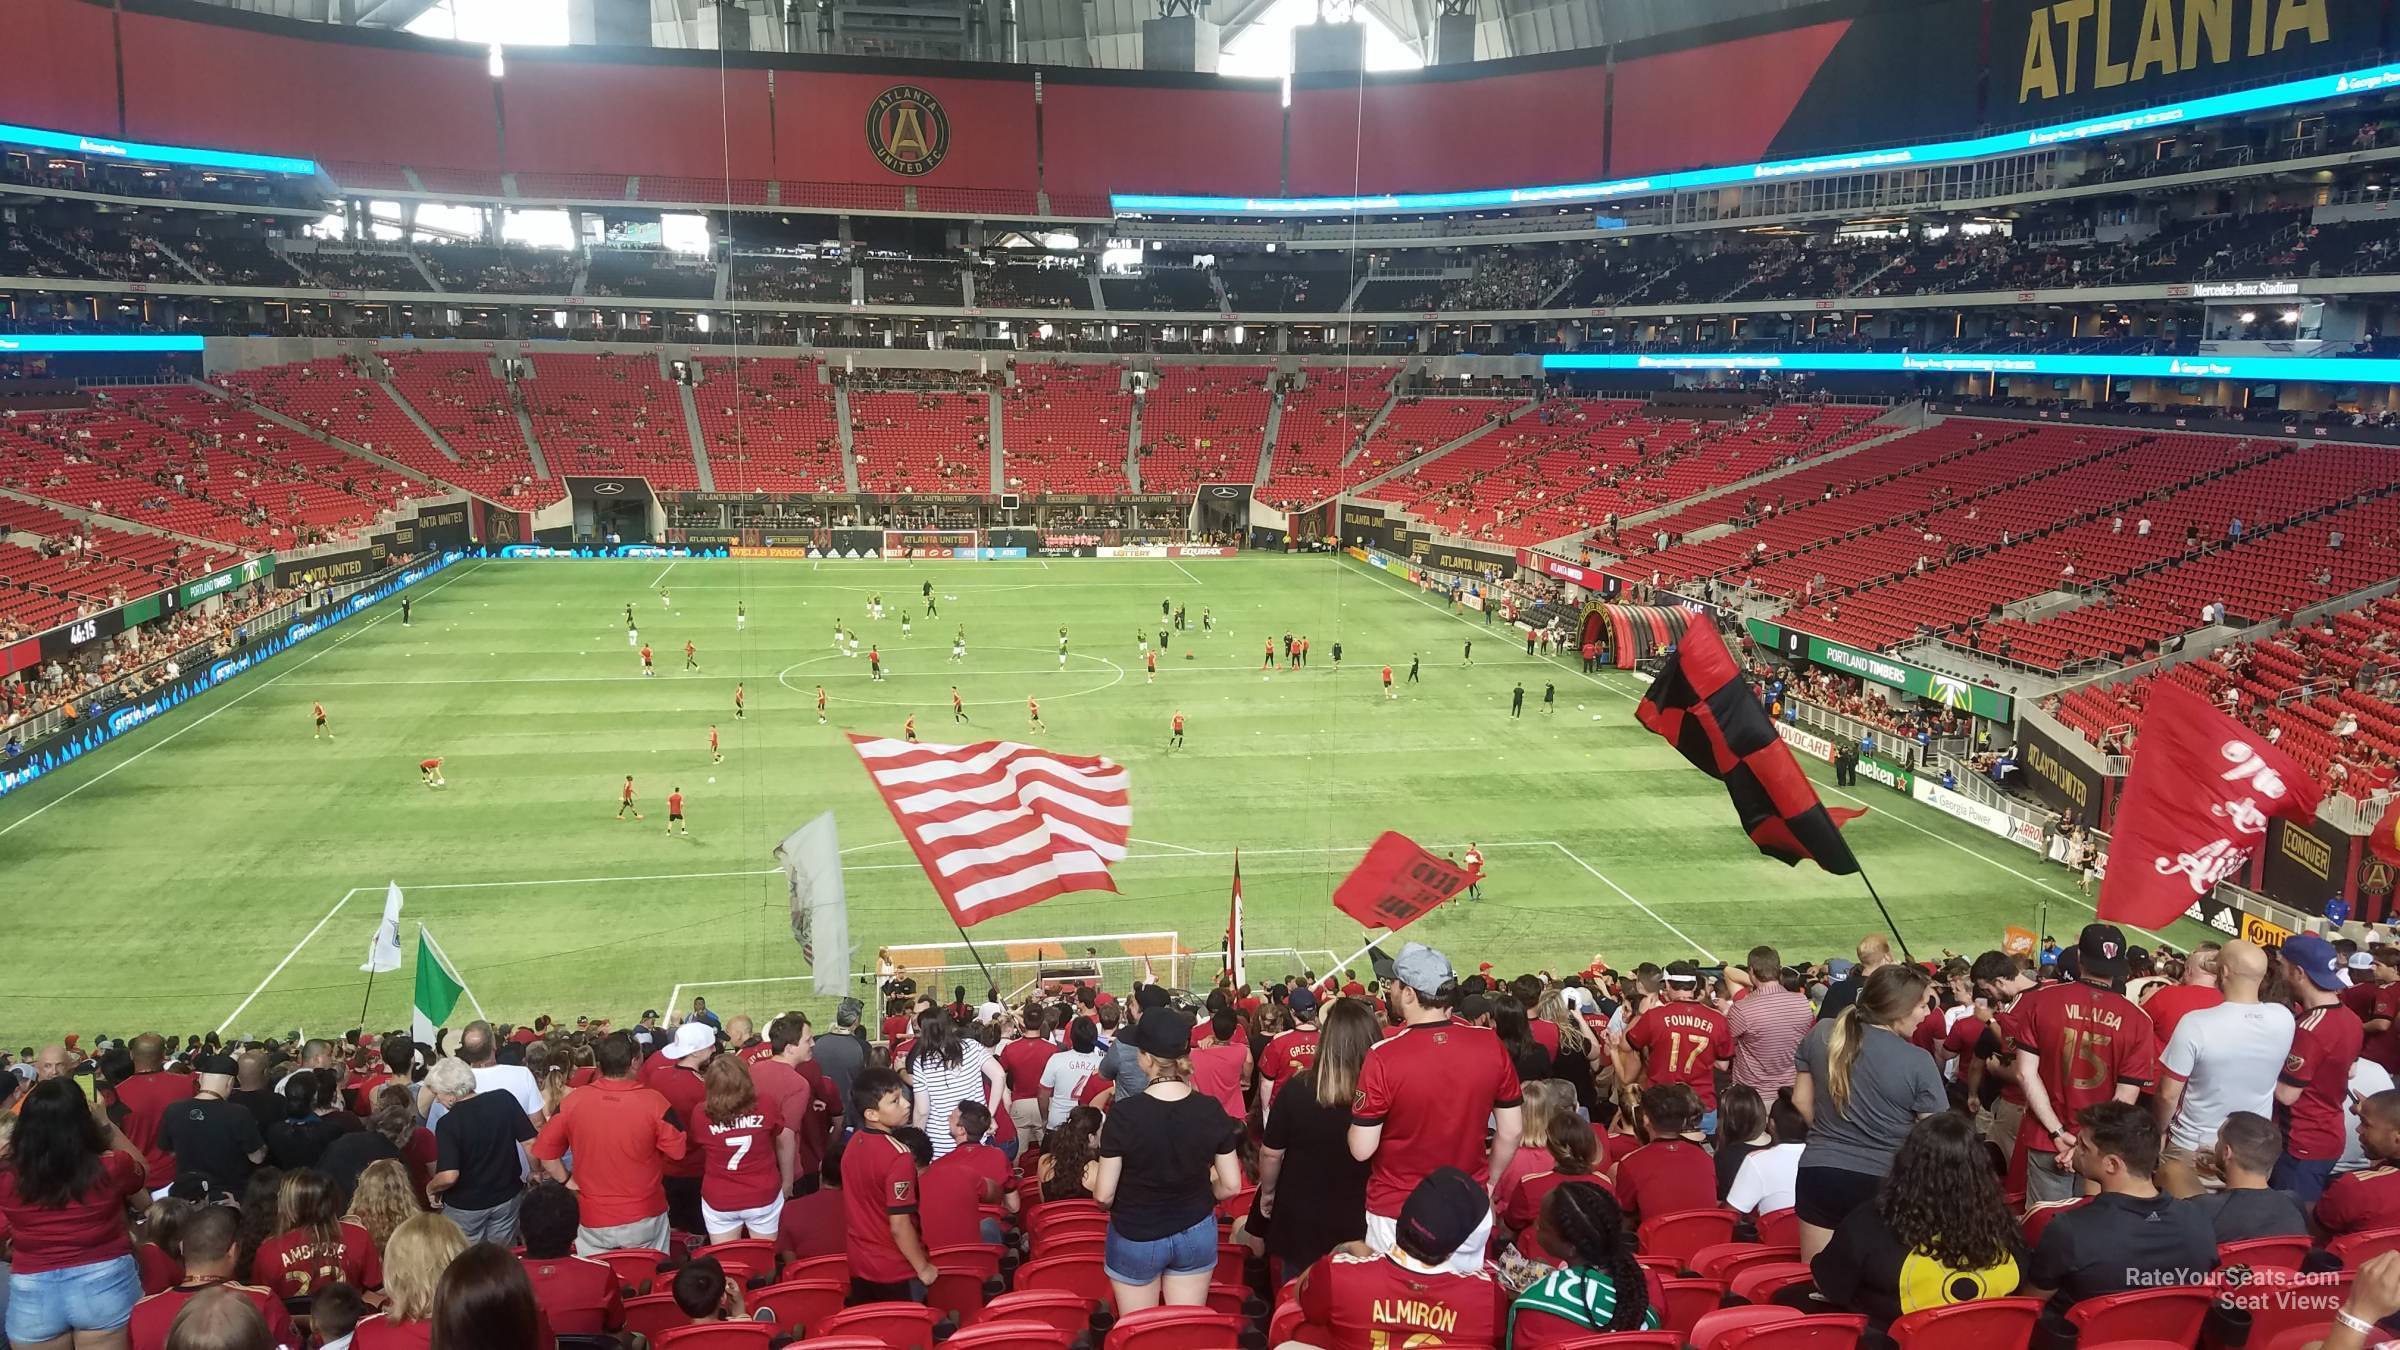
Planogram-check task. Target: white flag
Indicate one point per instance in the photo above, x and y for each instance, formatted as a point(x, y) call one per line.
point(383, 951)
point(811, 857)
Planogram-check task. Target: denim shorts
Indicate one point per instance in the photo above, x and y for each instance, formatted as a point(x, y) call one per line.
point(49, 1304)
point(1190, 1252)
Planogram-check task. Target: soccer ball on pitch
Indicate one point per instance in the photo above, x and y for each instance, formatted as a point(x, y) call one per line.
point(712, 780)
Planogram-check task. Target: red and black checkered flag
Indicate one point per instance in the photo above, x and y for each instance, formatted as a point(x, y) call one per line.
point(1706, 710)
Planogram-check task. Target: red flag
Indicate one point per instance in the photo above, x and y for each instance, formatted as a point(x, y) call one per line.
point(2384, 843)
point(999, 826)
point(1398, 883)
point(1234, 963)
point(2195, 809)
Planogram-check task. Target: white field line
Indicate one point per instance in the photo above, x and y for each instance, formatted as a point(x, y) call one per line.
point(658, 580)
point(171, 736)
point(287, 959)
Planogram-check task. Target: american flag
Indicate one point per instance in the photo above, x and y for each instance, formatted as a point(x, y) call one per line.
point(1000, 825)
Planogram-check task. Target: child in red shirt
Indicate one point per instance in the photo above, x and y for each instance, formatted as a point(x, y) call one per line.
point(1673, 1171)
point(971, 1175)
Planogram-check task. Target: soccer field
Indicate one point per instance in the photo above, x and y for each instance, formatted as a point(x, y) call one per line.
point(223, 868)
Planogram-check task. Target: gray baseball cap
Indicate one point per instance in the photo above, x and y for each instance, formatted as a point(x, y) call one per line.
point(1423, 969)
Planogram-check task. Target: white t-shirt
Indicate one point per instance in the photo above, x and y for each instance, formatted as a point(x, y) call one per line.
point(2366, 1079)
point(1063, 1078)
point(943, 1086)
point(2228, 1057)
point(1766, 1180)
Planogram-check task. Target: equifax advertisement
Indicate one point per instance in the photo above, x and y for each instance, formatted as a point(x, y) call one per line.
point(74, 742)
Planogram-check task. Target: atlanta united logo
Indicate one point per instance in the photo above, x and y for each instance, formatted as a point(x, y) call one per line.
point(907, 130)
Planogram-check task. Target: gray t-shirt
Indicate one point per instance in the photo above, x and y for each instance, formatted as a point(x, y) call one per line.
point(1891, 1084)
point(1121, 1064)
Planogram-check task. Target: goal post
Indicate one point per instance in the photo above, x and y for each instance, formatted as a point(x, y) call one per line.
point(932, 543)
point(1111, 961)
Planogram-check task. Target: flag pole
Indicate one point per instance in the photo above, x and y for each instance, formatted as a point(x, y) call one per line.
point(368, 998)
point(1887, 913)
point(989, 983)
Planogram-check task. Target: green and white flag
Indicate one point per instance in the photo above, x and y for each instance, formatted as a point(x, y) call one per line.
point(438, 988)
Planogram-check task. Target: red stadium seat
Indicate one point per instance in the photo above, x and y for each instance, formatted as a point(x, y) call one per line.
point(1722, 1260)
point(2280, 1300)
point(834, 1267)
point(742, 1257)
point(2168, 1314)
point(1080, 1275)
point(800, 1305)
point(839, 1343)
point(1779, 1227)
point(1681, 1235)
point(1987, 1324)
point(899, 1326)
point(1043, 1217)
point(1840, 1332)
point(1011, 1335)
point(1174, 1329)
point(1687, 1300)
point(718, 1336)
point(1073, 1228)
point(1766, 1282)
point(653, 1313)
point(1711, 1330)
point(2283, 1253)
point(2356, 1249)
point(1623, 1340)
point(1069, 1312)
point(636, 1267)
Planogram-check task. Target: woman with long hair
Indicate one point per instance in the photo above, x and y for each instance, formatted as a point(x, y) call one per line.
point(1532, 1059)
point(1769, 1175)
point(1861, 1087)
point(741, 1181)
point(1312, 1195)
point(1070, 1163)
point(1938, 1231)
point(310, 1121)
point(1168, 1154)
point(313, 1244)
point(484, 1302)
point(1570, 1154)
point(1741, 1128)
point(63, 1187)
point(384, 1199)
point(1547, 1102)
point(1580, 1053)
point(413, 1264)
point(945, 1067)
point(258, 1214)
point(1599, 1285)
point(158, 1238)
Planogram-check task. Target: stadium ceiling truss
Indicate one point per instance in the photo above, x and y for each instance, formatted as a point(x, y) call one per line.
point(1107, 33)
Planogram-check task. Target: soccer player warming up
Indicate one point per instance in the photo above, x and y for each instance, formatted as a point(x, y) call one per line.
point(820, 705)
point(1175, 737)
point(1267, 661)
point(908, 729)
point(430, 771)
point(739, 691)
point(741, 615)
point(875, 665)
point(691, 657)
point(675, 823)
point(958, 707)
point(1150, 662)
point(625, 800)
point(1388, 691)
point(1033, 714)
point(322, 729)
point(715, 756)
point(647, 670)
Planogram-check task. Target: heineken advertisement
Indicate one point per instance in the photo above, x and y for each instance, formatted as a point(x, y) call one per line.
point(1947, 690)
point(1877, 769)
point(217, 583)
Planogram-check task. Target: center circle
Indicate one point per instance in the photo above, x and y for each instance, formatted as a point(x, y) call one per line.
point(961, 675)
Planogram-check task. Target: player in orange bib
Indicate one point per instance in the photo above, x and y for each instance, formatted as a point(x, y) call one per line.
point(820, 705)
point(958, 707)
point(675, 823)
point(1267, 662)
point(715, 756)
point(738, 691)
point(908, 731)
point(647, 671)
point(1175, 737)
point(1388, 691)
point(1150, 661)
point(625, 800)
point(430, 770)
point(322, 729)
point(691, 656)
point(1033, 713)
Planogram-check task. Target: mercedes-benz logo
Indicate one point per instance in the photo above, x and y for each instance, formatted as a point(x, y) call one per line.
point(1225, 492)
point(610, 489)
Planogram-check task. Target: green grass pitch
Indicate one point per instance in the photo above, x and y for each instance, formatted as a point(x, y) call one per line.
point(221, 867)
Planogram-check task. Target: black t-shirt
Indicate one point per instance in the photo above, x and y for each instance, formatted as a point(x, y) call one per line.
point(1729, 1163)
point(478, 1139)
point(265, 1104)
point(301, 1142)
point(351, 1154)
point(2238, 1216)
point(213, 1138)
point(2105, 1247)
point(1168, 1148)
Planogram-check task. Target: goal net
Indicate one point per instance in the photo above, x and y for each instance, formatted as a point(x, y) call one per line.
point(931, 543)
point(1111, 961)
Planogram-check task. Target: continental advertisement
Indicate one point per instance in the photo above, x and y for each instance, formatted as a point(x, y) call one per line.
point(2302, 865)
point(2233, 921)
point(2061, 778)
point(108, 724)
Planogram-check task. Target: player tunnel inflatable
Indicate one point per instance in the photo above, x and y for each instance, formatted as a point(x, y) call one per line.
point(1627, 634)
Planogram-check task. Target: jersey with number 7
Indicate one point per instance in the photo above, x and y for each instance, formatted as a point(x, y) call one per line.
point(1683, 1043)
point(738, 1169)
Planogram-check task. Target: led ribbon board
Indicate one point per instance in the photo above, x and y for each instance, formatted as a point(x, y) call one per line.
point(2321, 369)
point(140, 152)
point(2286, 94)
point(36, 344)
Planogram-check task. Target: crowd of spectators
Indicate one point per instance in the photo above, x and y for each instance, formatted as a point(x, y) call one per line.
point(132, 663)
point(1527, 1159)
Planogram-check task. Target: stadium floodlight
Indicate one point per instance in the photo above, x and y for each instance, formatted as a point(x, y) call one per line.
point(2291, 316)
point(2263, 369)
point(2249, 316)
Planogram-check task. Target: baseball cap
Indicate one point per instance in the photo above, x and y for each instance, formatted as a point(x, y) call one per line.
point(1840, 966)
point(1440, 1215)
point(690, 1039)
point(1423, 969)
point(649, 1014)
point(1151, 997)
point(1163, 1033)
point(2100, 952)
point(2362, 960)
point(1472, 1006)
point(1302, 1002)
point(2314, 957)
point(219, 1065)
